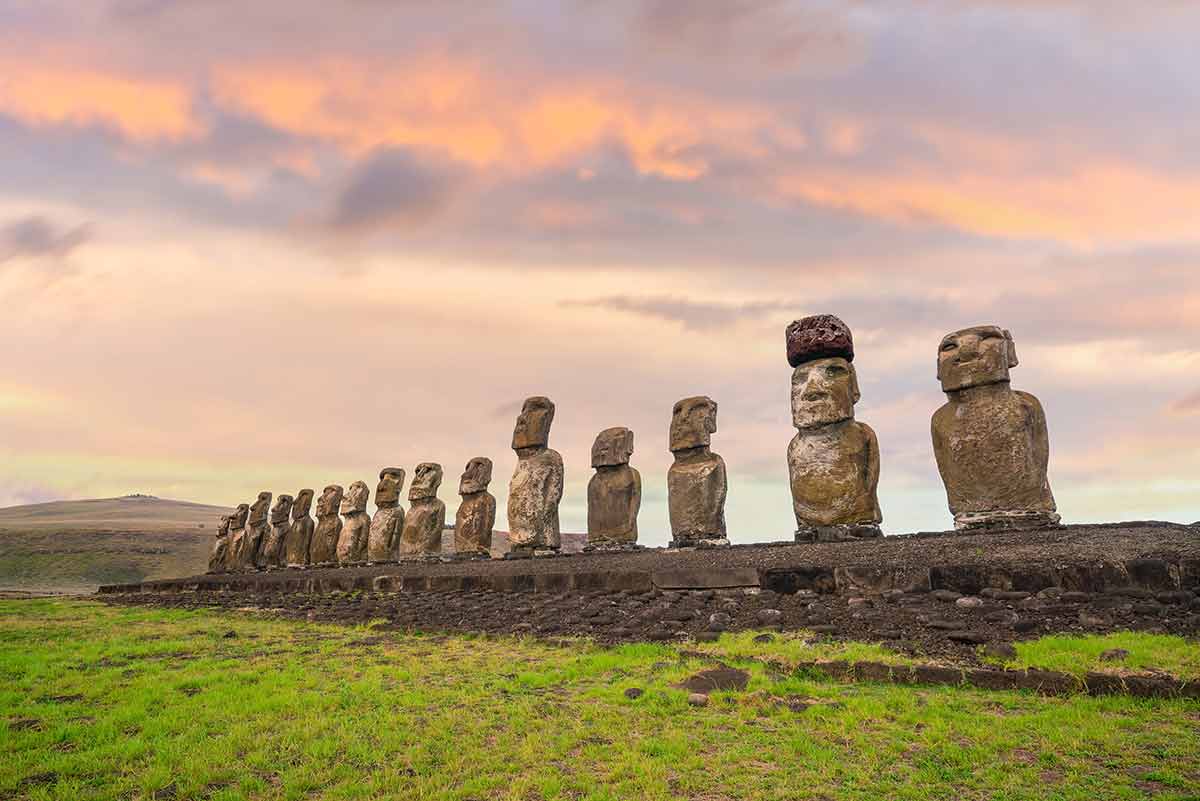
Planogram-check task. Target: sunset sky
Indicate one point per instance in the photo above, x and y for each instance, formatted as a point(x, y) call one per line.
point(273, 245)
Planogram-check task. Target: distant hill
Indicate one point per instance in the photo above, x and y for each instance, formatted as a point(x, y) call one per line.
point(74, 546)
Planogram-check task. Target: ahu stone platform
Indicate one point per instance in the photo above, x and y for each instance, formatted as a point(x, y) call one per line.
point(1146, 556)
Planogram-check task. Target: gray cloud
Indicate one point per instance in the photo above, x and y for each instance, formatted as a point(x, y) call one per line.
point(37, 238)
point(395, 188)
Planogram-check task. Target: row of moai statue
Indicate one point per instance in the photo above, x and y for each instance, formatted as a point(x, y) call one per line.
point(990, 443)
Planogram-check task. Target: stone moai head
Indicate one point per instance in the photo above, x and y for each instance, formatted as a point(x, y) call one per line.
point(693, 420)
point(223, 526)
point(426, 480)
point(282, 510)
point(613, 447)
point(330, 500)
point(238, 519)
point(302, 504)
point(975, 356)
point(355, 499)
point(259, 509)
point(476, 476)
point(824, 383)
point(387, 491)
point(533, 424)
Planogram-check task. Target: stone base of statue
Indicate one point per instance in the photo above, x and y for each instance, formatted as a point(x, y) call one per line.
point(531, 552)
point(612, 547)
point(700, 542)
point(842, 533)
point(1001, 520)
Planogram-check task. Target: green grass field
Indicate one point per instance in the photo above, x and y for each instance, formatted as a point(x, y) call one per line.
point(102, 702)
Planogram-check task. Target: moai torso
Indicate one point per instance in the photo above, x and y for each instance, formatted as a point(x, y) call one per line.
point(696, 482)
point(476, 515)
point(537, 483)
point(256, 530)
point(383, 540)
point(272, 550)
point(614, 491)
point(219, 556)
point(300, 533)
point(426, 515)
point(356, 526)
point(237, 534)
point(323, 549)
point(834, 472)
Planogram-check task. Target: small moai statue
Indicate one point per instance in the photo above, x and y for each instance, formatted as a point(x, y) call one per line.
point(356, 528)
point(476, 516)
point(237, 533)
point(426, 517)
point(383, 541)
point(323, 550)
point(990, 441)
point(300, 533)
point(220, 552)
point(537, 483)
point(696, 482)
point(272, 554)
point(833, 460)
point(256, 532)
point(614, 493)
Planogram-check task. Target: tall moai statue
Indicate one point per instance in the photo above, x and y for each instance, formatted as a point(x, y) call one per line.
point(990, 441)
point(356, 526)
point(615, 491)
point(696, 483)
point(219, 557)
point(383, 541)
point(476, 516)
point(537, 483)
point(272, 554)
point(833, 460)
point(323, 550)
point(300, 533)
point(237, 533)
point(426, 517)
point(256, 532)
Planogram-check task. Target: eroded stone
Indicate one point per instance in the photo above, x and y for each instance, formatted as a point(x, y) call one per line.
point(323, 550)
point(219, 557)
point(280, 519)
point(300, 532)
point(615, 491)
point(356, 526)
point(476, 515)
point(537, 483)
point(249, 555)
point(696, 482)
point(426, 516)
point(383, 540)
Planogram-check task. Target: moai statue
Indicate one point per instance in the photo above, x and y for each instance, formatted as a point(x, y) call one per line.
point(352, 542)
point(256, 532)
point(696, 484)
point(476, 516)
point(323, 550)
point(991, 443)
point(383, 541)
point(220, 552)
point(300, 533)
point(237, 533)
point(426, 517)
point(615, 492)
point(537, 483)
point(272, 554)
point(833, 460)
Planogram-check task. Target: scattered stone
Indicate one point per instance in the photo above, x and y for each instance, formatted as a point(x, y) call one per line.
point(1012, 595)
point(967, 637)
point(969, 602)
point(1114, 654)
point(823, 629)
point(945, 595)
point(945, 625)
point(697, 699)
point(1002, 616)
point(229, 635)
point(858, 602)
point(708, 636)
point(764, 638)
point(1092, 620)
point(719, 619)
point(768, 617)
point(634, 693)
point(1000, 650)
point(1075, 597)
point(721, 677)
point(1024, 626)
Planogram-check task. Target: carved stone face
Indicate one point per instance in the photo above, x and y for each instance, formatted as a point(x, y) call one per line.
point(823, 392)
point(476, 476)
point(331, 499)
point(613, 446)
point(355, 499)
point(259, 509)
point(533, 424)
point(281, 510)
point(693, 420)
point(238, 519)
point(302, 504)
point(426, 480)
point(975, 356)
point(387, 491)
point(223, 526)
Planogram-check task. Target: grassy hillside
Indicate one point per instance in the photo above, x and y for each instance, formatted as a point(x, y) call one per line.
point(75, 546)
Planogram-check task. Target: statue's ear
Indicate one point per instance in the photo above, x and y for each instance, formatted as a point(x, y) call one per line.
point(854, 384)
point(1012, 349)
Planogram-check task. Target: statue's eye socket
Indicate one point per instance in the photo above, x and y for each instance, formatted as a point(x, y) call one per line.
point(834, 370)
point(991, 335)
point(949, 346)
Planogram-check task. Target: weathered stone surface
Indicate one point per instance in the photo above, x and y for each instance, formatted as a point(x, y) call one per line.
point(300, 533)
point(273, 549)
point(537, 483)
point(219, 557)
point(833, 461)
point(991, 442)
point(356, 526)
point(255, 532)
point(426, 517)
point(696, 482)
point(615, 491)
point(323, 550)
point(818, 337)
point(383, 540)
point(476, 515)
point(714, 578)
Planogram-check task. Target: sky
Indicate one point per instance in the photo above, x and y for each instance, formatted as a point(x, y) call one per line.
point(276, 245)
